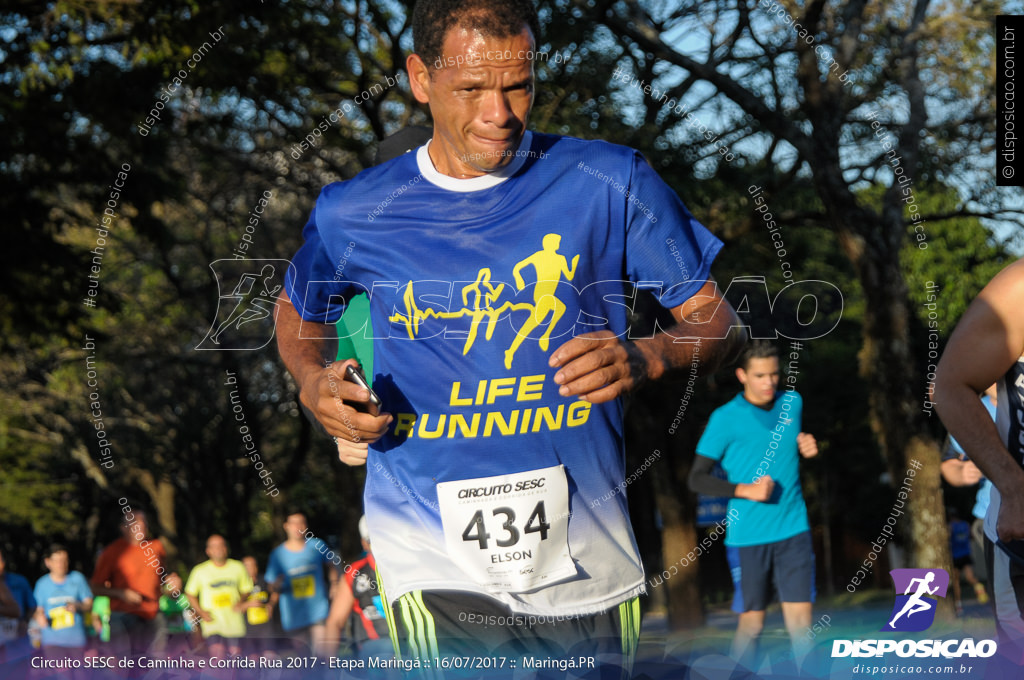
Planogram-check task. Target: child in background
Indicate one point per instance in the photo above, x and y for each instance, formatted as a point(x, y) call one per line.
point(960, 546)
point(259, 613)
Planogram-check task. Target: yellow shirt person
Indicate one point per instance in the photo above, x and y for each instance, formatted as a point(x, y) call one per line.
point(215, 588)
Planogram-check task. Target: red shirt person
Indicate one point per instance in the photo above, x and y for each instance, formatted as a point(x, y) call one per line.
point(130, 571)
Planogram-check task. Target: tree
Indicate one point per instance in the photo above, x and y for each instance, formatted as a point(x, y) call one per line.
point(841, 97)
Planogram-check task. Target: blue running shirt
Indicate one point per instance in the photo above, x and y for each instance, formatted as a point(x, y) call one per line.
point(488, 481)
point(304, 598)
point(740, 436)
point(66, 629)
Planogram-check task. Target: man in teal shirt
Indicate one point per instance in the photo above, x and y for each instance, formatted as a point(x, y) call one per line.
point(756, 438)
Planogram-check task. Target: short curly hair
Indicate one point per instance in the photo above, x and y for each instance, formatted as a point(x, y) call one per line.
point(431, 20)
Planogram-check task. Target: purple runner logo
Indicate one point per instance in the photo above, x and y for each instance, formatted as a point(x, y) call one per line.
point(914, 610)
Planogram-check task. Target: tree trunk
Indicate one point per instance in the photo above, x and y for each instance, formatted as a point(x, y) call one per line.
point(887, 362)
point(678, 537)
point(161, 498)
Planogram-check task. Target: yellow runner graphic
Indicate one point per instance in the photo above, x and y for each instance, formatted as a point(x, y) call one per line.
point(549, 267)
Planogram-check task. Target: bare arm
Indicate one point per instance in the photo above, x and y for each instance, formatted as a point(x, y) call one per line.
point(332, 578)
point(341, 608)
point(322, 385)
point(985, 345)
point(125, 594)
point(40, 616)
point(599, 367)
point(203, 614)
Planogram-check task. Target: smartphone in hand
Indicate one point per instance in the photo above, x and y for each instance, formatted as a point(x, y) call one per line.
point(373, 406)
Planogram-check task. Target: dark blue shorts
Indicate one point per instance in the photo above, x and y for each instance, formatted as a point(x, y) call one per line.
point(786, 566)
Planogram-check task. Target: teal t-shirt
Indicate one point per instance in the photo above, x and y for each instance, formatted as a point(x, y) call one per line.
point(750, 442)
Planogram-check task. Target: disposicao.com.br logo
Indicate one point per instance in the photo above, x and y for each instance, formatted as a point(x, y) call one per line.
point(917, 591)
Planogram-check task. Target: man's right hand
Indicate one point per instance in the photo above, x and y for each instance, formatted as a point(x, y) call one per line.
point(131, 597)
point(760, 490)
point(1010, 523)
point(352, 453)
point(329, 396)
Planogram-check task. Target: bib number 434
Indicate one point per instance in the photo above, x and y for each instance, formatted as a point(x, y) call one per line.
point(477, 531)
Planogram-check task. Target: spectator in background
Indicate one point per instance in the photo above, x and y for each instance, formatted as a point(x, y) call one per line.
point(62, 596)
point(259, 613)
point(960, 546)
point(295, 572)
point(17, 605)
point(958, 470)
point(130, 572)
point(757, 440)
point(177, 613)
point(358, 593)
point(217, 589)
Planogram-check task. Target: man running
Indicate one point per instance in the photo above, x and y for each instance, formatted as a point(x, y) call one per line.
point(17, 606)
point(217, 589)
point(295, 574)
point(358, 594)
point(62, 596)
point(988, 346)
point(486, 445)
point(259, 614)
point(131, 572)
point(756, 438)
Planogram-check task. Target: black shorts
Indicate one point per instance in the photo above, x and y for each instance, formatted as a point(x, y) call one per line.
point(429, 625)
point(961, 562)
point(788, 565)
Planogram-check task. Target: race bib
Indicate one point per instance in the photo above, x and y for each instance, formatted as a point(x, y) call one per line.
point(509, 533)
point(221, 600)
point(256, 615)
point(303, 587)
point(61, 618)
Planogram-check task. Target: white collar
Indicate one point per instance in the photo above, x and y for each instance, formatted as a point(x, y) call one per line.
point(485, 181)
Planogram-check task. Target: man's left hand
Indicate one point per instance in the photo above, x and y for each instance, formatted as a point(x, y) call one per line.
point(807, 445)
point(352, 453)
point(598, 367)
